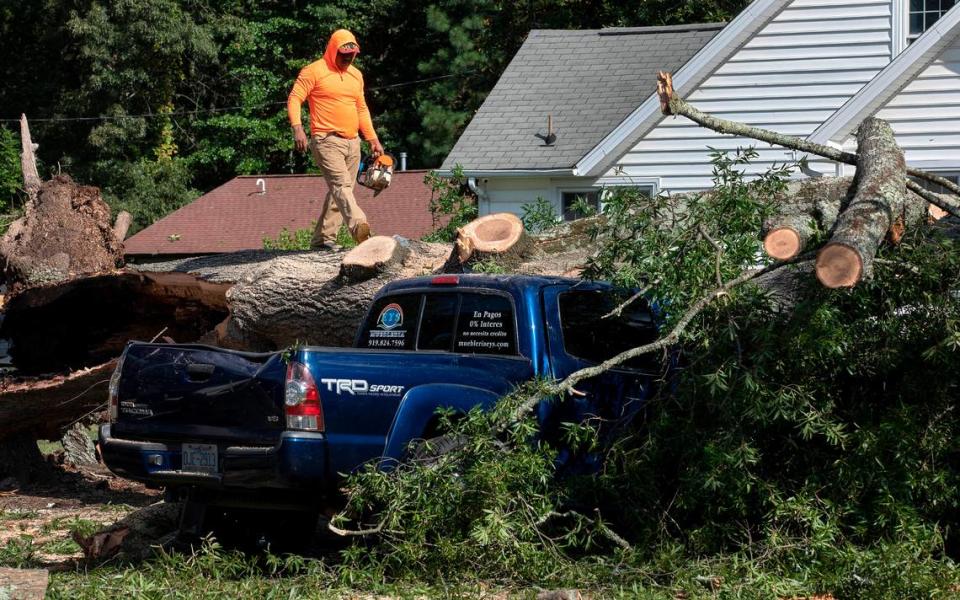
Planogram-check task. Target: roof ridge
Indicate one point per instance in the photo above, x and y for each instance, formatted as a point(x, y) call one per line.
point(663, 28)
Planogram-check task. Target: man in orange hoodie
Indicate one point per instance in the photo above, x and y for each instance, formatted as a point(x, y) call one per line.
point(334, 89)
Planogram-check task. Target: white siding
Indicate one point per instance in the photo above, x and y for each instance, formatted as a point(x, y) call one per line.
point(798, 70)
point(925, 115)
point(509, 194)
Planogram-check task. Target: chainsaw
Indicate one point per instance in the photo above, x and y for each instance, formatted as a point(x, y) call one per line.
point(376, 173)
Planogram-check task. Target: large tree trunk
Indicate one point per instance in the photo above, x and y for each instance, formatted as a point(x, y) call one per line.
point(879, 203)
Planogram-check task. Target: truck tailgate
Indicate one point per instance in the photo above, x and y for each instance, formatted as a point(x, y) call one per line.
point(181, 392)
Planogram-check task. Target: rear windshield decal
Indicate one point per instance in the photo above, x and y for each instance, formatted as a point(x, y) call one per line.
point(390, 317)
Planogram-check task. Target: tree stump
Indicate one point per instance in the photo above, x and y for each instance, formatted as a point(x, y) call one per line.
point(374, 257)
point(499, 236)
point(67, 232)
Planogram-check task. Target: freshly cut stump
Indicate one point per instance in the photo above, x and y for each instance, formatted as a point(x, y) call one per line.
point(499, 236)
point(373, 257)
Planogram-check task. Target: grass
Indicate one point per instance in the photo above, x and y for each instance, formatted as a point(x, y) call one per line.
point(18, 514)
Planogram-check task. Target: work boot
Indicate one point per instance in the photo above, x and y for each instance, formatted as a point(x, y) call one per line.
point(361, 232)
point(326, 247)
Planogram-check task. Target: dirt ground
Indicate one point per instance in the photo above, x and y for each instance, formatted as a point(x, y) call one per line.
point(62, 500)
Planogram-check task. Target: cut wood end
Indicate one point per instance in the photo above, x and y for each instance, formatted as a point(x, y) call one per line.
point(839, 266)
point(782, 243)
point(665, 91)
point(936, 213)
point(494, 233)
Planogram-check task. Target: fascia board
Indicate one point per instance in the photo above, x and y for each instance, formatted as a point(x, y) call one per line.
point(888, 82)
point(510, 172)
point(599, 159)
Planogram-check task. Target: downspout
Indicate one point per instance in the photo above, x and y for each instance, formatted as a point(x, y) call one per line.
point(482, 196)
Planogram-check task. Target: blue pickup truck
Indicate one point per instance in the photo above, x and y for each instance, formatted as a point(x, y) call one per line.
point(278, 430)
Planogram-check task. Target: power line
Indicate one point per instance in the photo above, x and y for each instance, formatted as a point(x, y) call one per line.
point(198, 111)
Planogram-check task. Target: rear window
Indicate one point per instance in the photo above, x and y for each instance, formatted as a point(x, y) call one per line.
point(590, 336)
point(463, 322)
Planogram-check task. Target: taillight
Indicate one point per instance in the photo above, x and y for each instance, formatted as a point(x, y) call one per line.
point(302, 399)
point(114, 390)
point(445, 280)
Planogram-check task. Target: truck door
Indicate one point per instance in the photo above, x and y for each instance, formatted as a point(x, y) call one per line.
point(580, 334)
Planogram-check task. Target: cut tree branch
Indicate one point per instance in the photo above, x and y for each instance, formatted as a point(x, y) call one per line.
point(672, 104)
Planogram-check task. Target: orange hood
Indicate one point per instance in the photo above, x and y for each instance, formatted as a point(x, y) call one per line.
point(337, 39)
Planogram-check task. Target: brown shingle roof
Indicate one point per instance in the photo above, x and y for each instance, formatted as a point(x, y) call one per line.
point(235, 216)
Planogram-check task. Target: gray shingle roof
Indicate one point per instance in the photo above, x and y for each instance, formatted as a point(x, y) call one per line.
point(589, 80)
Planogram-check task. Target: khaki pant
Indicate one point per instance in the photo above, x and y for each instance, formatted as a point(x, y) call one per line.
point(339, 159)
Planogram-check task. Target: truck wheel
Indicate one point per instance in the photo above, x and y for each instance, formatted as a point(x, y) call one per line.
point(428, 451)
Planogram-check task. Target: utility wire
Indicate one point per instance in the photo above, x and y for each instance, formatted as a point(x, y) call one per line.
point(198, 111)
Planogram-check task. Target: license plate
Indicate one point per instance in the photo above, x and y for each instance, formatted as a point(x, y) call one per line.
point(199, 458)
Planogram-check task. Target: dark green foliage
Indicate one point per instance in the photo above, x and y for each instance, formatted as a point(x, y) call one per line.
point(452, 204)
point(11, 179)
point(147, 189)
point(801, 449)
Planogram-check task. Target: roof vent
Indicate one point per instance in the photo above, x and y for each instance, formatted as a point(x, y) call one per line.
point(262, 184)
point(551, 137)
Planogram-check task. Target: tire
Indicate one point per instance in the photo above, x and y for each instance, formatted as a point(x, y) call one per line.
point(427, 452)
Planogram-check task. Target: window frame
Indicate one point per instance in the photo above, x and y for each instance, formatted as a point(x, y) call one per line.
point(903, 37)
point(578, 190)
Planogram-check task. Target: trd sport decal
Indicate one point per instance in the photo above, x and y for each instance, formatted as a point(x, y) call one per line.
point(390, 317)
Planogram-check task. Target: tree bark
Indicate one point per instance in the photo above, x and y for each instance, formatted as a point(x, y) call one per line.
point(805, 206)
point(28, 163)
point(880, 202)
point(122, 225)
point(44, 408)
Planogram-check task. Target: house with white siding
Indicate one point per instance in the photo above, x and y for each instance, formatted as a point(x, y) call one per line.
point(576, 112)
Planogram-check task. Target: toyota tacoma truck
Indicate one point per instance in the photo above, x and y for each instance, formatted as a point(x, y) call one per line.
point(279, 430)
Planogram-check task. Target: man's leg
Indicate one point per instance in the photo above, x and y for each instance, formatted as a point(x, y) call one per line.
point(357, 220)
point(330, 219)
point(339, 159)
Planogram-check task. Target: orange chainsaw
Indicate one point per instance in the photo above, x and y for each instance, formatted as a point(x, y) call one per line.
point(376, 173)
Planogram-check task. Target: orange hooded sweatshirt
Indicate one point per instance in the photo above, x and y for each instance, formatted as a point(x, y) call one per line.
point(335, 97)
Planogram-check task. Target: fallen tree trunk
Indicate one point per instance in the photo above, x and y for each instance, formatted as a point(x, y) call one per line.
point(880, 202)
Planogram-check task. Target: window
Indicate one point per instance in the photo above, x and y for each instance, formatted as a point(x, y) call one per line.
point(923, 14)
point(469, 323)
point(590, 336)
point(576, 205)
point(392, 323)
point(436, 325)
point(486, 325)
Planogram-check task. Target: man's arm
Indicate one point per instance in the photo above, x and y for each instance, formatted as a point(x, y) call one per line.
point(301, 89)
point(366, 123)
